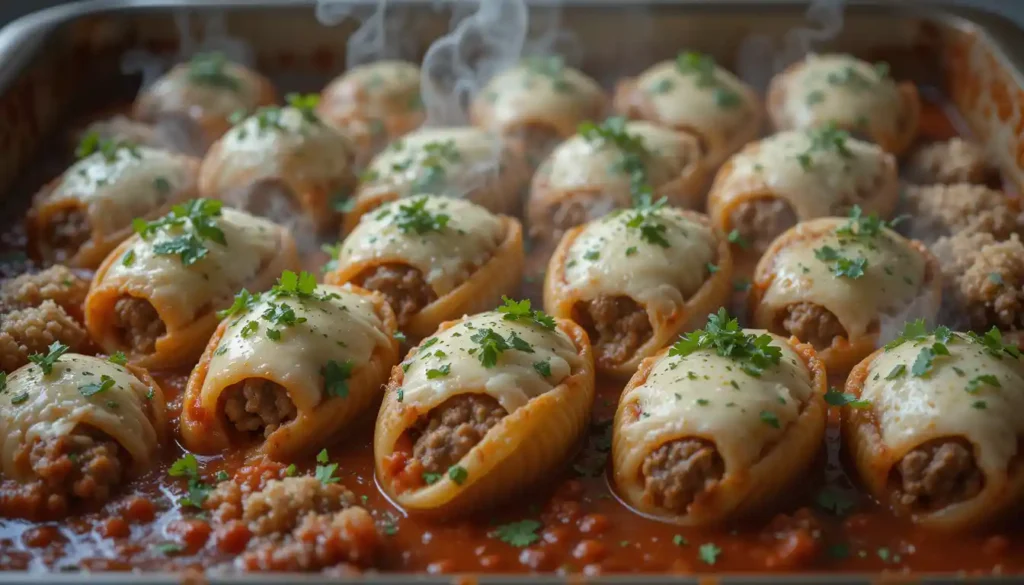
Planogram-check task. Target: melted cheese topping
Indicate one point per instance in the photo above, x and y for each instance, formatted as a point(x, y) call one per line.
point(816, 181)
point(446, 161)
point(611, 258)
point(307, 152)
point(176, 92)
point(892, 277)
point(135, 183)
point(339, 325)
point(446, 257)
point(680, 100)
point(582, 164)
point(375, 89)
point(704, 395)
point(188, 291)
point(911, 410)
point(842, 89)
point(37, 407)
point(512, 381)
point(525, 95)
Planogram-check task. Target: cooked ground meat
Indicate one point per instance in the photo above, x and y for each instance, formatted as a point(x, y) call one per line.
point(760, 221)
point(67, 230)
point(676, 472)
point(57, 283)
point(949, 209)
point(139, 323)
point(949, 162)
point(452, 429)
point(938, 474)
point(984, 280)
point(82, 467)
point(403, 287)
point(617, 327)
point(347, 539)
point(256, 404)
point(812, 323)
point(24, 332)
point(279, 506)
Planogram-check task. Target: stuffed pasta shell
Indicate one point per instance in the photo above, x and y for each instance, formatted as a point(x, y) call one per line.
point(483, 410)
point(719, 425)
point(854, 95)
point(934, 426)
point(279, 160)
point(537, 104)
point(799, 175)
point(694, 95)
point(635, 279)
point(293, 367)
point(460, 162)
point(155, 297)
point(74, 428)
point(830, 282)
point(374, 104)
point(608, 167)
point(433, 258)
point(78, 218)
point(198, 97)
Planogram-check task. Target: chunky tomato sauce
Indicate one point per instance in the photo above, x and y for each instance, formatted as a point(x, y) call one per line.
point(575, 524)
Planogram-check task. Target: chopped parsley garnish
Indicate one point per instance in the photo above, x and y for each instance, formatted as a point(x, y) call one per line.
point(117, 357)
point(518, 534)
point(432, 478)
point(896, 372)
point(975, 383)
point(336, 377)
point(863, 226)
point(169, 548)
point(521, 311)
point(850, 77)
point(306, 105)
point(709, 553)
point(324, 472)
point(645, 218)
point(992, 341)
point(129, 258)
point(291, 284)
point(188, 467)
point(440, 372)
point(192, 224)
point(834, 501)
point(543, 368)
point(836, 398)
point(244, 301)
point(400, 337)
point(492, 345)
point(413, 216)
point(926, 358)
point(827, 138)
point(105, 383)
point(634, 153)
point(210, 69)
point(916, 330)
point(45, 362)
point(92, 143)
point(249, 329)
point(678, 540)
point(723, 335)
point(841, 265)
point(703, 67)
point(979, 404)
point(770, 419)
point(552, 67)
point(19, 398)
point(3, 381)
point(996, 278)
point(458, 474)
point(734, 237)
point(291, 470)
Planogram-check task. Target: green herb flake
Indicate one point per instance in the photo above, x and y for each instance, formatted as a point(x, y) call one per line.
point(723, 335)
point(709, 553)
point(458, 474)
point(117, 358)
point(975, 383)
point(325, 472)
point(53, 354)
point(839, 399)
point(94, 388)
point(518, 534)
point(336, 377)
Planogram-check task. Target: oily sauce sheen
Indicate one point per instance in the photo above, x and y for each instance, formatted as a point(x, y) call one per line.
point(828, 525)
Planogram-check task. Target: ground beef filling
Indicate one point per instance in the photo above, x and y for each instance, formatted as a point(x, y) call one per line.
point(677, 472)
point(984, 280)
point(760, 221)
point(24, 332)
point(453, 429)
point(139, 324)
point(79, 467)
point(617, 325)
point(812, 324)
point(403, 287)
point(936, 475)
point(258, 405)
point(67, 230)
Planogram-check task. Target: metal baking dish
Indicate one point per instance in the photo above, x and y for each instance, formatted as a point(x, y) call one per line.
point(66, 62)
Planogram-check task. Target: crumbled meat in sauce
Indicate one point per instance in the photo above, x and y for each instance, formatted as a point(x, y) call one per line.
point(139, 323)
point(452, 429)
point(760, 221)
point(950, 209)
point(67, 230)
point(812, 323)
point(24, 332)
point(258, 404)
point(347, 539)
point(57, 283)
point(617, 327)
point(79, 468)
point(403, 287)
point(984, 280)
point(936, 475)
point(677, 472)
point(950, 162)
